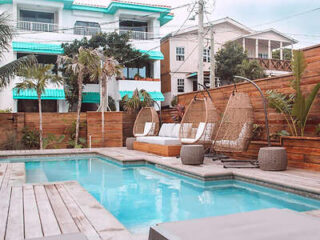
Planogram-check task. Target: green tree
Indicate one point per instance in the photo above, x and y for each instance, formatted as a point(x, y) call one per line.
point(227, 60)
point(81, 65)
point(140, 98)
point(250, 69)
point(295, 107)
point(287, 54)
point(114, 45)
point(37, 77)
point(10, 69)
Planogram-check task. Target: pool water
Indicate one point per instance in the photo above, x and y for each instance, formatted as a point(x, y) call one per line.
point(142, 195)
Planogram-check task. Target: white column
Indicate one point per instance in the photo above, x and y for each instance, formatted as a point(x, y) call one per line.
point(269, 50)
point(281, 51)
point(156, 69)
point(244, 44)
point(257, 48)
point(291, 50)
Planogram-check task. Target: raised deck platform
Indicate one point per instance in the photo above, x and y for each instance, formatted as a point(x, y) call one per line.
point(41, 210)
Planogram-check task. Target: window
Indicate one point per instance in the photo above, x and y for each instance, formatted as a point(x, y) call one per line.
point(26, 105)
point(263, 55)
point(206, 55)
point(180, 53)
point(86, 28)
point(180, 85)
point(41, 58)
point(143, 72)
point(36, 21)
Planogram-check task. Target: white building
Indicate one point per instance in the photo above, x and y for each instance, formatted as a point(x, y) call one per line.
point(42, 25)
point(180, 65)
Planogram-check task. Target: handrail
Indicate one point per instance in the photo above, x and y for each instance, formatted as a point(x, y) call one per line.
point(37, 26)
point(137, 35)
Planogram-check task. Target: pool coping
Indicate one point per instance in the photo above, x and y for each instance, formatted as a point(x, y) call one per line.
point(151, 159)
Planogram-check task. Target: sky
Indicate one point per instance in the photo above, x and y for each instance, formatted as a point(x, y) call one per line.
point(283, 15)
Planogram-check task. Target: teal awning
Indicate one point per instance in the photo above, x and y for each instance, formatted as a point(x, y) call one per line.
point(37, 47)
point(49, 94)
point(91, 97)
point(157, 96)
point(155, 55)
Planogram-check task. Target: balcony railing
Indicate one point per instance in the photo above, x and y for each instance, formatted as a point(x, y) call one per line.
point(137, 35)
point(274, 64)
point(86, 31)
point(37, 26)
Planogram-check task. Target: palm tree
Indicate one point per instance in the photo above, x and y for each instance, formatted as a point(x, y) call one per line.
point(37, 77)
point(9, 70)
point(140, 98)
point(81, 65)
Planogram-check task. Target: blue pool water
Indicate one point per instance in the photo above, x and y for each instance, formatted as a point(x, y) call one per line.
point(143, 195)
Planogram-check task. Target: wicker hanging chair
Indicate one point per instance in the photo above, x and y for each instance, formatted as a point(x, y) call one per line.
point(146, 123)
point(235, 130)
point(200, 122)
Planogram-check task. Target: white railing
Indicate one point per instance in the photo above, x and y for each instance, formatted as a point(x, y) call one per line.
point(137, 35)
point(86, 31)
point(37, 26)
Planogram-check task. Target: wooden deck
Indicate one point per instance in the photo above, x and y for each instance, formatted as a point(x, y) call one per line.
point(11, 174)
point(31, 211)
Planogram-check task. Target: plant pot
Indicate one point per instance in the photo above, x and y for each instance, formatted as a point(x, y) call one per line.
point(302, 152)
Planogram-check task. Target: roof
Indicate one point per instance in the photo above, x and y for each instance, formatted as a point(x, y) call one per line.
point(106, 3)
point(269, 30)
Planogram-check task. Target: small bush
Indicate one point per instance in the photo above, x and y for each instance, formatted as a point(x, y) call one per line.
point(30, 138)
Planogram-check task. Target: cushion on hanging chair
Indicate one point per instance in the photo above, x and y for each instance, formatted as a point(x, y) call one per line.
point(149, 128)
point(234, 143)
point(204, 133)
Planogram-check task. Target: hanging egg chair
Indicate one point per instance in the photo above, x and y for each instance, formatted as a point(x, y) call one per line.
point(235, 130)
point(146, 123)
point(200, 122)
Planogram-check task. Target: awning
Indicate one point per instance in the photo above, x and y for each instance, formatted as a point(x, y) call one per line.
point(37, 48)
point(155, 55)
point(49, 94)
point(157, 96)
point(91, 97)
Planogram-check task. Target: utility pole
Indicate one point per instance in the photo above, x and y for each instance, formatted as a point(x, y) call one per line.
point(200, 41)
point(212, 60)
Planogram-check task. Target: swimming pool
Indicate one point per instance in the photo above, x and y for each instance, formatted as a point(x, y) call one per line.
point(142, 195)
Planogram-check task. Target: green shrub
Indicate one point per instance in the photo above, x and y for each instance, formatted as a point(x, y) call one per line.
point(30, 138)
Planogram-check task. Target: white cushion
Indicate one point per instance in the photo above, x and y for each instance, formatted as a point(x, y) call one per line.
point(204, 133)
point(147, 128)
point(166, 130)
point(175, 131)
point(186, 129)
point(159, 140)
point(188, 140)
point(200, 130)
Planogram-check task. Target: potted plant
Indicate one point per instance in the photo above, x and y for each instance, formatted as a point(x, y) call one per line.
point(302, 151)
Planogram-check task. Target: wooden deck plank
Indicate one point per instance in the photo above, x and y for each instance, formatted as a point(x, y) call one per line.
point(78, 216)
point(65, 221)
point(32, 224)
point(103, 221)
point(5, 195)
point(48, 220)
point(6, 177)
point(3, 169)
point(15, 229)
point(17, 175)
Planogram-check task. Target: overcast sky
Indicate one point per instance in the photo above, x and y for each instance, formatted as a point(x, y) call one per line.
point(254, 13)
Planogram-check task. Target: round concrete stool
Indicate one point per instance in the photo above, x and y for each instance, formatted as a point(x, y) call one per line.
point(129, 142)
point(273, 159)
point(192, 154)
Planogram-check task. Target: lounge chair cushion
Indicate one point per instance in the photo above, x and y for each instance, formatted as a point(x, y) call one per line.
point(159, 140)
point(175, 131)
point(166, 130)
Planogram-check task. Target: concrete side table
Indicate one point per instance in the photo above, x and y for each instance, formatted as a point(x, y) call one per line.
point(129, 142)
point(273, 158)
point(192, 154)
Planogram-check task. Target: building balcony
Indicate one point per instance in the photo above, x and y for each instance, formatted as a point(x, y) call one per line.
point(86, 31)
point(37, 26)
point(137, 35)
point(274, 64)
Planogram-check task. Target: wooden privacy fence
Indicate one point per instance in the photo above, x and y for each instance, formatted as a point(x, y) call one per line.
point(118, 126)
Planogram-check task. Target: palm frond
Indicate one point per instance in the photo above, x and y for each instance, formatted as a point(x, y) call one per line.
point(5, 33)
point(11, 69)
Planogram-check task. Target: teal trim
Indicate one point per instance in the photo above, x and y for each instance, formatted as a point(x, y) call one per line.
point(155, 55)
point(49, 94)
point(165, 19)
point(5, 1)
point(91, 97)
point(37, 48)
point(192, 74)
point(157, 96)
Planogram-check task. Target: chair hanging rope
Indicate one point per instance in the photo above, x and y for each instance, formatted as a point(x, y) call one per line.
point(235, 130)
point(146, 123)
